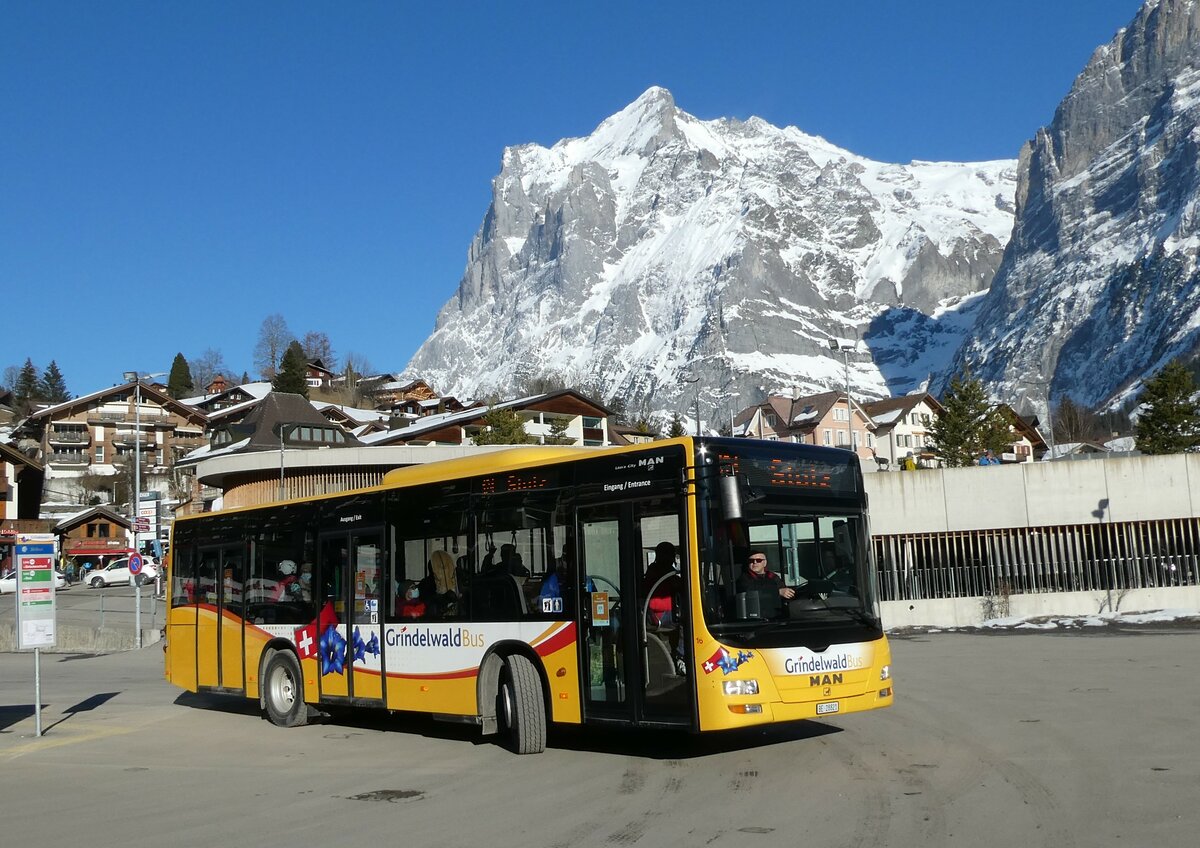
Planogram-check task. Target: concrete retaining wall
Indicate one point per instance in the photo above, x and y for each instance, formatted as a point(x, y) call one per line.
point(973, 612)
point(1137, 488)
point(73, 639)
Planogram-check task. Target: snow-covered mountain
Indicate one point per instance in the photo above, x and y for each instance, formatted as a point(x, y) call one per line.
point(1099, 285)
point(663, 253)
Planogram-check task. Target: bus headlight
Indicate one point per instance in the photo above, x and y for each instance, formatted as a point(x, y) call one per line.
point(740, 687)
point(885, 673)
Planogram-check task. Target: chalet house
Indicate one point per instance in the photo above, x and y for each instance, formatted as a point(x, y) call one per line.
point(584, 422)
point(826, 419)
point(94, 535)
point(229, 401)
point(1028, 444)
point(20, 484)
point(317, 376)
point(357, 422)
point(20, 500)
point(384, 391)
point(218, 385)
point(99, 433)
point(904, 425)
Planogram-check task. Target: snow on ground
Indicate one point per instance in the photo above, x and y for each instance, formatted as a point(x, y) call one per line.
point(1076, 622)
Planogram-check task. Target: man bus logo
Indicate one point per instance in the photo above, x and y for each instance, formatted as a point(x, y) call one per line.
point(824, 679)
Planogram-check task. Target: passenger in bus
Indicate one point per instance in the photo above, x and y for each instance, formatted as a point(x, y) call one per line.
point(767, 586)
point(662, 583)
point(305, 581)
point(410, 604)
point(439, 587)
point(288, 584)
point(509, 563)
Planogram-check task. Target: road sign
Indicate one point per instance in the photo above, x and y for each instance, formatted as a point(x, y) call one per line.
point(135, 564)
point(141, 525)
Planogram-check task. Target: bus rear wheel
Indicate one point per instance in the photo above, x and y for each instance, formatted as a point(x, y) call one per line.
point(522, 707)
point(283, 690)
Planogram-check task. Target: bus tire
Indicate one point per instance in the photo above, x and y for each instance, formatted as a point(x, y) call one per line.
point(283, 690)
point(522, 708)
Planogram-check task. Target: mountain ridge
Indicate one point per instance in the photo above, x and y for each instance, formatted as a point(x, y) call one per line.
point(661, 249)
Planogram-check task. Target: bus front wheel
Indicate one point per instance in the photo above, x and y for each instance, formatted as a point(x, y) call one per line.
point(522, 708)
point(283, 690)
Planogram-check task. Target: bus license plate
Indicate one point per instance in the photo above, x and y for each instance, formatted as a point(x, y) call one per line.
point(826, 709)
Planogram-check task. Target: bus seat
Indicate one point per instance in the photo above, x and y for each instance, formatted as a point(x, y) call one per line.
point(497, 597)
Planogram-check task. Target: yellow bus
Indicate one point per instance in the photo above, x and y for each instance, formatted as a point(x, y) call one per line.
point(694, 583)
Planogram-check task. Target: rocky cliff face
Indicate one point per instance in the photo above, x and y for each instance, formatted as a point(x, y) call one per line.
point(663, 249)
point(1098, 287)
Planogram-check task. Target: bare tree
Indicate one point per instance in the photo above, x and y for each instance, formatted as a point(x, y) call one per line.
point(316, 345)
point(273, 340)
point(11, 374)
point(206, 367)
point(1074, 423)
point(358, 364)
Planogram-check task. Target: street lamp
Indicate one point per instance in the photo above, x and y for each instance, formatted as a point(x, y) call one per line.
point(731, 397)
point(845, 347)
point(695, 380)
point(136, 378)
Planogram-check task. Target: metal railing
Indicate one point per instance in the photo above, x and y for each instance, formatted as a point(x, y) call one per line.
point(68, 437)
point(1024, 560)
point(59, 458)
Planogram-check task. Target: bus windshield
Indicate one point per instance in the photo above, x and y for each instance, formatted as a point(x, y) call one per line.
point(794, 566)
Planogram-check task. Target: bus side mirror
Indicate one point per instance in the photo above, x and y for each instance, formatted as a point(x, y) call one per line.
point(731, 497)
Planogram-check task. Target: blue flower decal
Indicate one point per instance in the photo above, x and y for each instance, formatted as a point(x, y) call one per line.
point(333, 651)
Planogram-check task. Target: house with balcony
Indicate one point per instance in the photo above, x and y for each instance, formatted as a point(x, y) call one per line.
point(317, 376)
point(829, 419)
point(1028, 445)
point(99, 434)
point(904, 425)
point(564, 414)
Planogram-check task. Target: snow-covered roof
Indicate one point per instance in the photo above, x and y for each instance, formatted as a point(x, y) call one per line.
point(258, 391)
point(888, 417)
point(353, 413)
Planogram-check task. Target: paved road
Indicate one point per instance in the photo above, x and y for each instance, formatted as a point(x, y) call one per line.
point(1009, 739)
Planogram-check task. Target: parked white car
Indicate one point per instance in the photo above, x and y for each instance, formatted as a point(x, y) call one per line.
point(8, 583)
point(116, 573)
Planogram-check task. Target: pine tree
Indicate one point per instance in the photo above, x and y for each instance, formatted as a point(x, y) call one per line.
point(293, 371)
point(675, 428)
point(1170, 421)
point(968, 425)
point(179, 383)
point(52, 387)
point(558, 432)
point(25, 392)
point(502, 427)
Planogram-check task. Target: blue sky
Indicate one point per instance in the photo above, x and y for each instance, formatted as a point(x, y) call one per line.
point(174, 172)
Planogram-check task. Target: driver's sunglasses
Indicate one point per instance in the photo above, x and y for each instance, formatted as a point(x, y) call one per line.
point(758, 559)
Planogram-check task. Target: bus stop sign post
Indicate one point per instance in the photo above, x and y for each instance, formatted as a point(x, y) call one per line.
point(36, 617)
point(135, 568)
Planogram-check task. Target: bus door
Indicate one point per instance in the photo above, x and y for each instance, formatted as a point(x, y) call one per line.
point(634, 670)
point(350, 574)
point(220, 576)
